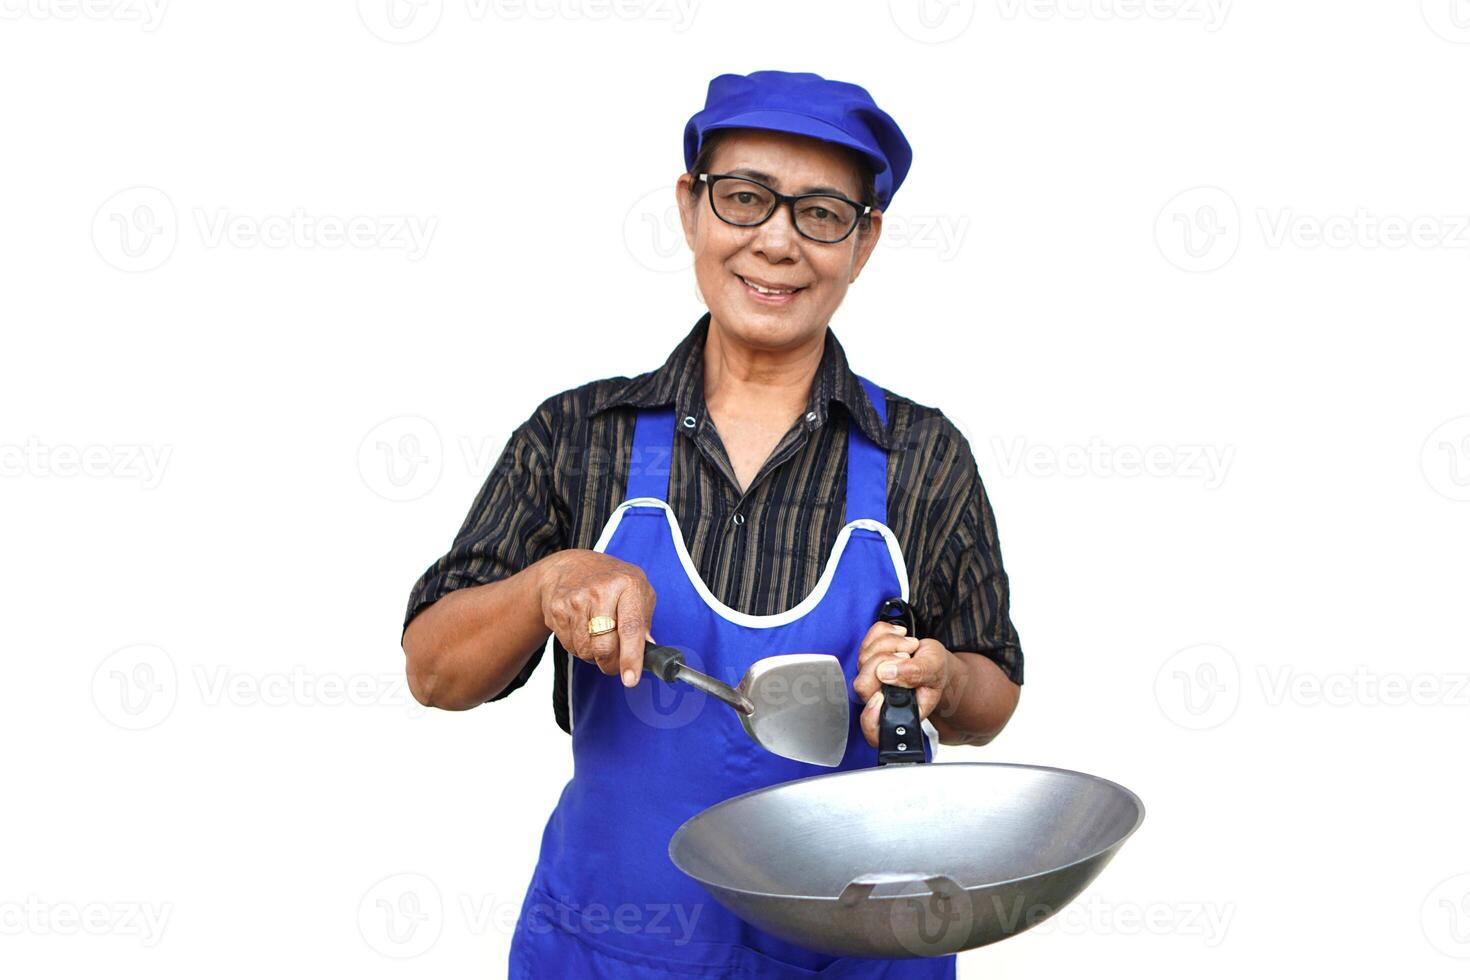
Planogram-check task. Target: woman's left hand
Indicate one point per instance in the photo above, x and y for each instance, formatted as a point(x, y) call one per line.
point(915, 663)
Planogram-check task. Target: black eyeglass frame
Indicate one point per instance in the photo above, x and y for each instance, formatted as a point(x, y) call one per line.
point(779, 199)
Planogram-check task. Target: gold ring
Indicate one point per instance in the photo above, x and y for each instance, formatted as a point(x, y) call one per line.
point(598, 625)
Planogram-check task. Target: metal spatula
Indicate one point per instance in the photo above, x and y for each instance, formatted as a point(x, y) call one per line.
point(795, 704)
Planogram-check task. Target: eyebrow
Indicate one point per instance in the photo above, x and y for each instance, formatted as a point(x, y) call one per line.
point(766, 178)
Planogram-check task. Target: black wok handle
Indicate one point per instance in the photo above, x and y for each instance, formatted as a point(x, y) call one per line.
point(667, 664)
point(900, 739)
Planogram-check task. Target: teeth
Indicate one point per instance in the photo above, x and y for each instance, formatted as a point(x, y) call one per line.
point(762, 289)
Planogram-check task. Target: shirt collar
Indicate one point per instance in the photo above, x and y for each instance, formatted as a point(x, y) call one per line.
point(680, 382)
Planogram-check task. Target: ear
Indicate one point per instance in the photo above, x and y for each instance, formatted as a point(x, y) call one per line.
point(866, 241)
point(687, 199)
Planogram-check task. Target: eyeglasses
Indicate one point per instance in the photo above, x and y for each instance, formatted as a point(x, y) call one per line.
point(825, 218)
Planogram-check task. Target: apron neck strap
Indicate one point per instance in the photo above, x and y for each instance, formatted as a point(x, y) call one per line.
point(867, 465)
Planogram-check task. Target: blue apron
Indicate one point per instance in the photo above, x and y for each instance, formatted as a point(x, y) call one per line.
point(605, 900)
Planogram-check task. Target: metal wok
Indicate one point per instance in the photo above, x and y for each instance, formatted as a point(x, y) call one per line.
point(909, 858)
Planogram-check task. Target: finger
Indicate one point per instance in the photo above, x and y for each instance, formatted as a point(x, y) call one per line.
point(918, 671)
point(633, 620)
point(877, 633)
point(869, 718)
point(603, 648)
point(889, 647)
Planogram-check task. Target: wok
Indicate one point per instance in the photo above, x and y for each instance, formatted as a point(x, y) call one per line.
point(909, 858)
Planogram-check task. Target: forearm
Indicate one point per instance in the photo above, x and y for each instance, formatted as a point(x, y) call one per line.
point(466, 647)
point(977, 701)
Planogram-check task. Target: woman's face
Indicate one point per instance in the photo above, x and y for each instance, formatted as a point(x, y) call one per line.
point(773, 254)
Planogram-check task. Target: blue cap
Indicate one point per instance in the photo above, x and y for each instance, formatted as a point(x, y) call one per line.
point(807, 105)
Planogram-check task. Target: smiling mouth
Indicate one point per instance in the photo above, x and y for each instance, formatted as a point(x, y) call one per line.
point(768, 291)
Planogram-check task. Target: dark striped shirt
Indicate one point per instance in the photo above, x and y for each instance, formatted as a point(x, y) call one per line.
point(564, 471)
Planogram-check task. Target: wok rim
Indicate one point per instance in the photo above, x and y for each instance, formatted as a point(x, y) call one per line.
point(1091, 856)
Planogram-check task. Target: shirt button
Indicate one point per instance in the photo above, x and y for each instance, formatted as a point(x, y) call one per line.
point(689, 422)
point(811, 416)
point(738, 519)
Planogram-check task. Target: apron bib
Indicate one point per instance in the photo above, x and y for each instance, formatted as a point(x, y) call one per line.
point(605, 900)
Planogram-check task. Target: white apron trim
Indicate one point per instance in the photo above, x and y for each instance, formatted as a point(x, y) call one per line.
point(734, 615)
point(775, 619)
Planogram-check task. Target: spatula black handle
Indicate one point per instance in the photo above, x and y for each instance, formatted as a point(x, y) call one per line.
point(663, 661)
point(667, 664)
point(900, 738)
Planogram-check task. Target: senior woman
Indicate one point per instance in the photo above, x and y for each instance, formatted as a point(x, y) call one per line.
point(751, 496)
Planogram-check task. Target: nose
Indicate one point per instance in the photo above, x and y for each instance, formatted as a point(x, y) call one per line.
point(775, 238)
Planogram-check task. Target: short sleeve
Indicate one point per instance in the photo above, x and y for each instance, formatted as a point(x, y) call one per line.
point(514, 522)
point(974, 597)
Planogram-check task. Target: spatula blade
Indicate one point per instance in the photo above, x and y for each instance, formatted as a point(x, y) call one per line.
point(801, 707)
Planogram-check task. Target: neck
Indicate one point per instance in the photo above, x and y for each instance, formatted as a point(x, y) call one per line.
point(766, 382)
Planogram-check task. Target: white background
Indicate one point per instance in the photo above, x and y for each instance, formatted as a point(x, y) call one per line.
point(1190, 276)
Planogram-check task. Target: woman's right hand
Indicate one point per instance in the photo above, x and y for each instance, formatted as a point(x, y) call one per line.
point(581, 584)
